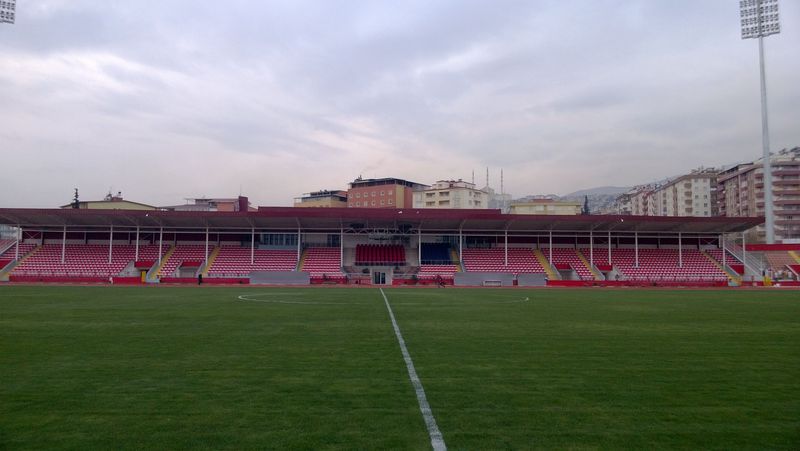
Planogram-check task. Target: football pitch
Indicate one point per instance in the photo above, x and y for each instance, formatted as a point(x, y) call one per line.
point(322, 368)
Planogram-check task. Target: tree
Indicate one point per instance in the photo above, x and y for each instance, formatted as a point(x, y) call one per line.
point(585, 209)
point(75, 202)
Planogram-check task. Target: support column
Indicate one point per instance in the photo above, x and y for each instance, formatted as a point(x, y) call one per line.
point(110, 243)
point(609, 247)
point(636, 247)
point(722, 244)
point(18, 234)
point(550, 249)
point(744, 250)
point(461, 245)
point(63, 245)
point(206, 260)
point(160, 244)
point(341, 247)
point(506, 246)
point(298, 244)
point(680, 251)
point(591, 247)
point(252, 245)
point(136, 255)
point(419, 245)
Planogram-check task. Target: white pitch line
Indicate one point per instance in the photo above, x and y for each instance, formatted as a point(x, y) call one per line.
point(437, 441)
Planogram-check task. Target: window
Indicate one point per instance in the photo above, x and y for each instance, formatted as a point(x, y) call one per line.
point(389, 192)
point(383, 193)
point(391, 201)
point(279, 239)
point(358, 195)
point(373, 203)
point(358, 204)
point(373, 194)
point(382, 203)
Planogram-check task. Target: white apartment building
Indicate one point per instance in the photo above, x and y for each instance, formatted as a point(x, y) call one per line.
point(451, 194)
point(693, 194)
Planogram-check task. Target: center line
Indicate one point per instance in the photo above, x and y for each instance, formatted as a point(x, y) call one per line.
point(437, 441)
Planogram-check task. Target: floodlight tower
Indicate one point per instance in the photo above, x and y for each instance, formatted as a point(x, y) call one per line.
point(7, 11)
point(760, 19)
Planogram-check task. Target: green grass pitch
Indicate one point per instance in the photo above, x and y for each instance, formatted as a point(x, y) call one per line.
point(315, 368)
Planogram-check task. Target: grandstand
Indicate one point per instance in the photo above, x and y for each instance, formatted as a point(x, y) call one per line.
point(340, 245)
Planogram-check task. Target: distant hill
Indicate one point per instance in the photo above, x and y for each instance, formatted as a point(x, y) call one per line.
point(612, 190)
point(599, 198)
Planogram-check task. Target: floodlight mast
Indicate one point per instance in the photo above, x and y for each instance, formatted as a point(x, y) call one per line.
point(7, 11)
point(760, 19)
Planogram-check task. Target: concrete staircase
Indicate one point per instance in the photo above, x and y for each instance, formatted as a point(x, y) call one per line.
point(302, 261)
point(597, 274)
point(454, 258)
point(552, 274)
point(156, 271)
point(211, 258)
point(735, 278)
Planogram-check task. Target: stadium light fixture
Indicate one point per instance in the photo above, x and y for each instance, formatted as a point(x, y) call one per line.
point(8, 10)
point(760, 18)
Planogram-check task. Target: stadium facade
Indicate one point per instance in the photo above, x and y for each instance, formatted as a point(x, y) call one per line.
point(284, 245)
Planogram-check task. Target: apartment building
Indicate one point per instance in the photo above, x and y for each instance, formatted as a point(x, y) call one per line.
point(451, 194)
point(741, 193)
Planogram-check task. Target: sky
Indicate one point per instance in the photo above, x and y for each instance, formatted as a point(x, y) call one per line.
point(171, 99)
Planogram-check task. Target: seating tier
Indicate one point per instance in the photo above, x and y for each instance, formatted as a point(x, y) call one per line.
point(437, 271)
point(83, 260)
point(323, 262)
point(235, 261)
point(520, 260)
point(380, 254)
point(11, 252)
point(662, 264)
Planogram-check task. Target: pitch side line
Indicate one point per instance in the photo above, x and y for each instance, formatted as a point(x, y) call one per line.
point(437, 441)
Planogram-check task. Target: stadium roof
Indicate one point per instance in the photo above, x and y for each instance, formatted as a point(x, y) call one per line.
point(289, 218)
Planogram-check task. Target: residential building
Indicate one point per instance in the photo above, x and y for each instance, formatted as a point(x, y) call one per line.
point(543, 205)
point(382, 193)
point(692, 194)
point(741, 193)
point(451, 194)
point(322, 199)
point(110, 202)
point(240, 203)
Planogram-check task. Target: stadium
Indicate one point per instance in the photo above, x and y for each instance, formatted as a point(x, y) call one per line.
point(292, 340)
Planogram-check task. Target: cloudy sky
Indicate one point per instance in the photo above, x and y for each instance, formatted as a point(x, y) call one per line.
point(168, 99)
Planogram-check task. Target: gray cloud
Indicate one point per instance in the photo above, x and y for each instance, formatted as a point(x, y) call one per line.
point(166, 100)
